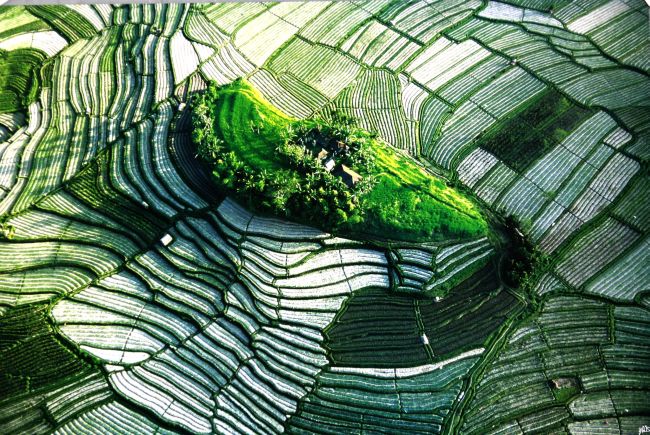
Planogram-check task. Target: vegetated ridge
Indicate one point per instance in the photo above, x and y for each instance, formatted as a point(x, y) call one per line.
point(333, 175)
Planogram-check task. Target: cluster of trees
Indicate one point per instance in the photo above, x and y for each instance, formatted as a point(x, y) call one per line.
point(304, 197)
point(208, 143)
point(521, 257)
point(303, 190)
point(19, 78)
point(7, 230)
point(313, 135)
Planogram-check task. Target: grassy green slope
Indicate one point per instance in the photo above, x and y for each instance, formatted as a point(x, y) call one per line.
point(250, 126)
point(407, 202)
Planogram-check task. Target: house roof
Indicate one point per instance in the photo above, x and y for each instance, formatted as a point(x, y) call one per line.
point(166, 239)
point(329, 164)
point(348, 171)
point(348, 175)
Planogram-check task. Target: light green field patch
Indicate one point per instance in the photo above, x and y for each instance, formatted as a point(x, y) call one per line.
point(16, 19)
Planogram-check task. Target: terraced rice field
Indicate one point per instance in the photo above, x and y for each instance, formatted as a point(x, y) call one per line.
point(133, 299)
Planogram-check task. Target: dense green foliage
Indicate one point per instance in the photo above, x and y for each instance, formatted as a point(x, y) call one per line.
point(236, 115)
point(564, 395)
point(19, 78)
point(269, 161)
point(521, 257)
point(527, 136)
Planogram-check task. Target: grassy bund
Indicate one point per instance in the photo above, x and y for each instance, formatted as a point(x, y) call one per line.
point(333, 175)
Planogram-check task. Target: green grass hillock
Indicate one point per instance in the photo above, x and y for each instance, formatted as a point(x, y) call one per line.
point(408, 201)
point(250, 126)
point(270, 162)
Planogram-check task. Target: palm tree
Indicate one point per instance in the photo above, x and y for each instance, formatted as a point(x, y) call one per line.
point(290, 130)
point(263, 176)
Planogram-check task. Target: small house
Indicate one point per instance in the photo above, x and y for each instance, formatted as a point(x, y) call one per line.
point(329, 164)
point(559, 383)
point(348, 176)
point(322, 155)
point(166, 239)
